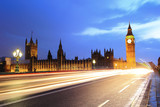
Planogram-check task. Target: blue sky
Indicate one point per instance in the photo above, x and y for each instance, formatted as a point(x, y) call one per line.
point(82, 25)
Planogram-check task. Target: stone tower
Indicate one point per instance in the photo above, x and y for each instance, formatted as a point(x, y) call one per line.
point(109, 57)
point(60, 57)
point(130, 49)
point(31, 49)
point(49, 55)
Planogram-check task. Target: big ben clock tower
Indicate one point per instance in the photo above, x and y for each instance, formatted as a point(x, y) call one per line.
point(130, 49)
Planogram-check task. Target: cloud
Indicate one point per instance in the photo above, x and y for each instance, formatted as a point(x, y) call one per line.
point(142, 31)
point(110, 18)
point(92, 31)
point(149, 30)
point(130, 5)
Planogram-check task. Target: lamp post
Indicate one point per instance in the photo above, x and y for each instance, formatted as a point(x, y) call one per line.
point(116, 66)
point(17, 54)
point(94, 62)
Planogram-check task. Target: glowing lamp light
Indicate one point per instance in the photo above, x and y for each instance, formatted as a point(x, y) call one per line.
point(14, 54)
point(20, 54)
point(94, 61)
point(17, 54)
point(17, 50)
point(116, 66)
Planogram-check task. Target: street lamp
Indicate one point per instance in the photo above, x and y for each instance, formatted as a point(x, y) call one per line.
point(94, 62)
point(17, 54)
point(116, 66)
point(125, 67)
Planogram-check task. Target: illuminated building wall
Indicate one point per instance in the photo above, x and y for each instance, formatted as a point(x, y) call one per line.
point(107, 61)
point(22, 67)
point(31, 49)
point(5, 64)
point(130, 49)
point(33, 64)
point(52, 65)
point(102, 62)
point(120, 64)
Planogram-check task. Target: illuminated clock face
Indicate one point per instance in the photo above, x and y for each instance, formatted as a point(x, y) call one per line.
point(129, 40)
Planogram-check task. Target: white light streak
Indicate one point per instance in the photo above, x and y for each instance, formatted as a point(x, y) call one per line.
point(124, 88)
point(101, 105)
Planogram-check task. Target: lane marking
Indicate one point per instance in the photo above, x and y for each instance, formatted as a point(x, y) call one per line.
point(140, 78)
point(133, 81)
point(138, 93)
point(101, 105)
point(124, 88)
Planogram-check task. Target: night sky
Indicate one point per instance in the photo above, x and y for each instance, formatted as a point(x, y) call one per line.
point(82, 25)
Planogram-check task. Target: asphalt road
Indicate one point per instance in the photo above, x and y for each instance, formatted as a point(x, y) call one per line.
point(107, 90)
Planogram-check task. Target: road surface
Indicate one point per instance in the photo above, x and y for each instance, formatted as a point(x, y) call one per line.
point(115, 88)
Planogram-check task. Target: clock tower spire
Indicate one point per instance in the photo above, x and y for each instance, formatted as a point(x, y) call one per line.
point(129, 30)
point(130, 48)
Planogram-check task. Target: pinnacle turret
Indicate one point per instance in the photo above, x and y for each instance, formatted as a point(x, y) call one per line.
point(129, 30)
point(31, 41)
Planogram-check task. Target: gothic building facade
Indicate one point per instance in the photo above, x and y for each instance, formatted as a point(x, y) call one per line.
point(97, 60)
point(31, 49)
point(108, 60)
point(32, 63)
point(102, 62)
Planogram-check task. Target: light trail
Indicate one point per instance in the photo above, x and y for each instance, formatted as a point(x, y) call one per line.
point(4, 96)
point(42, 84)
point(70, 78)
point(101, 105)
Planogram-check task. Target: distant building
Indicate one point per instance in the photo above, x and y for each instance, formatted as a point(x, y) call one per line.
point(102, 62)
point(32, 63)
point(119, 63)
point(5, 64)
point(159, 63)
point(31, 49)
point(97, 60)
point(108, 60)
point(130, 49)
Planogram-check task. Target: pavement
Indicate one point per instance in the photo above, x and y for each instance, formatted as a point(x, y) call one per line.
point(154, 99)
point(117, 88)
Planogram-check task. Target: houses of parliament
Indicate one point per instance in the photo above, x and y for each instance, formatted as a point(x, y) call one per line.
point(97, 60)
